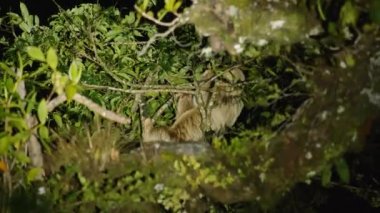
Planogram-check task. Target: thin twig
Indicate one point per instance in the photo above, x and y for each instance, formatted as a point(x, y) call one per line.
point(139, 91)
point(152, 86)
point(138, 97)
point(154, 38)
point(162, 108)
point(156, 21)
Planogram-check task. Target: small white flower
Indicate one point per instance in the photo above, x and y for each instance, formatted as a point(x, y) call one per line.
point(159, 187)
point(277, 24)
point(308, 155)
point(354, 136)
point(311, 174)
point(324, 115)
point(41, 190)
point(340, 109)
point(342, 65)
point(373, 97)
point(239, 48)
point(262, 177)
point(207, 52)
point(262, 42)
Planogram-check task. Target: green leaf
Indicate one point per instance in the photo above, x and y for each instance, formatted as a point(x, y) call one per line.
point(29, 21)
point(24, 11)
point(42, 111)
point(52, 59)
point(75, 71)
point(21, 157)
point(25, 27)
point(4, 144)
point(169, 5)
point(35, 53)
point(326, 176)
point(350, 60)
point(33, 174)
point(8, 70)
point(70, 91)
point(36, 20)
point(9, 84)
point(342, 170)
point(130, 18)
point(137, 33)
point(348, 14)
point(21, 137)
point(58, 119)
point(177, 5)
point(278, 119)
point(43, 132)
point(18, 122)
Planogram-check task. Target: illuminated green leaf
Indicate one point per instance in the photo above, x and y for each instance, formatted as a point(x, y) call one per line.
point(8, 70)
point(42, 111)
point(25, 27)
point(177, 5)
point(75, 72)
point(18, 122)
point(169, 5)
point(21, 157)
point(130, 18)
point(4, 144)
point(24, 11)
point(9, 84)
point(70, 91)
point(33, 174)
point(350, 60)
point(58, 119)
point(43, 132)
point(52, 58)
point(349, 14)
point(35, 53)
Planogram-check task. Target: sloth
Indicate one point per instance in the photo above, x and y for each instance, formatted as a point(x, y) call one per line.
point(225, 103)
point(221, 101)
point(187, 126)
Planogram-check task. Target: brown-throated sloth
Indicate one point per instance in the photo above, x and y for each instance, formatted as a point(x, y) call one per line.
point(187, 126)
point(222, 103)
point(225, 103)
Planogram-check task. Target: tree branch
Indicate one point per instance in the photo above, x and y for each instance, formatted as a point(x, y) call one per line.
point(156, 21)
point(140, 91)
point(108, 114)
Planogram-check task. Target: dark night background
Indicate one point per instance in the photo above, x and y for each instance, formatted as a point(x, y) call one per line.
point(336, 198)
point(45, 8)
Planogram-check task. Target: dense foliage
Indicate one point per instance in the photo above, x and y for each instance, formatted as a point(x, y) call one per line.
point(100, 54)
